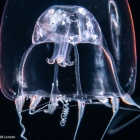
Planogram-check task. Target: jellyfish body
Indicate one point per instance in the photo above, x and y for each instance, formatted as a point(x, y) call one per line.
point(66, 25)
point(68, 28)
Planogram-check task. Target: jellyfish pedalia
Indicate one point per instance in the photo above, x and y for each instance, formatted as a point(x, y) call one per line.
point(70, 27)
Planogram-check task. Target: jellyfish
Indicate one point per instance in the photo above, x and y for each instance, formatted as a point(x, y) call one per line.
point(97, 73)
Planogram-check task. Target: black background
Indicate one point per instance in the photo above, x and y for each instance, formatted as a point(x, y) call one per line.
point(42, 126)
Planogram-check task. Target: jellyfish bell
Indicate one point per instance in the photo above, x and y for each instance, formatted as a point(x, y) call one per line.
point(72, 24)
point(96, 72)
point(66, 25)
point(85, 30)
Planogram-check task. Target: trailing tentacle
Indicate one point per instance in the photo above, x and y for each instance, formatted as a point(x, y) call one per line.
point(65, 113)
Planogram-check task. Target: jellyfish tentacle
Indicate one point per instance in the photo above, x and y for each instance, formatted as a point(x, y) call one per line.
point(68, 61)
point(32, 112)
point(127, 99)
point(57, 49)
point(77, 72)
point(19, 104)
point(112, 131)
point(81, 108)
point(81, 103)
point(65, 112)
point(22, 126)
point(61, 54)
point(35, 100)
point(70, 106)
point(55, 89)
point(115, 108)
point(53, 103)
point(63, 58)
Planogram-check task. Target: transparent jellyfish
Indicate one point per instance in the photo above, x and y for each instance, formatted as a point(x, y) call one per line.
point(98, 69)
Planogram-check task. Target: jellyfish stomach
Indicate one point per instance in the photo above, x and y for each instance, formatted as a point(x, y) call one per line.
point(61, 54)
